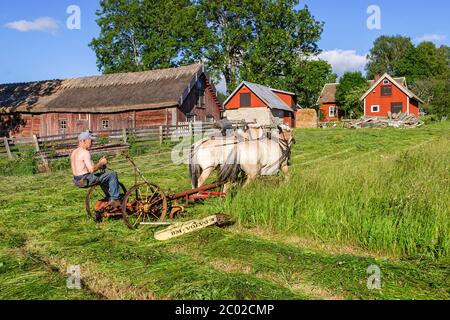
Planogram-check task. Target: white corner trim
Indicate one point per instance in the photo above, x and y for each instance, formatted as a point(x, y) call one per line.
point(407, 106)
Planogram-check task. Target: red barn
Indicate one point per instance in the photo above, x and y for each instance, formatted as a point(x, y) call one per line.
point(390, 95)
point(257, 103)
point(108, 102)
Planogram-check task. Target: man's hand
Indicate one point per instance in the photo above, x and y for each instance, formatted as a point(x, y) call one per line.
point(101, 164)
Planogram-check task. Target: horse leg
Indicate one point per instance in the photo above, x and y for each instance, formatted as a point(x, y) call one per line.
point(285, 170)
point(250, 178)
point(227, 186)
point(204, 176)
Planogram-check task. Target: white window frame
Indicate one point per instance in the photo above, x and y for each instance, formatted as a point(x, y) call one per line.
point(62, 124)
point(105, 124)
point(334, 113)
point(386, 81)
point(375, 106)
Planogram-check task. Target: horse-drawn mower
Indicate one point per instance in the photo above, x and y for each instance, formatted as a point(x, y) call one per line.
point(145, 202)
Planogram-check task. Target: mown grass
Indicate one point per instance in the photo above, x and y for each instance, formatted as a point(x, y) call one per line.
point(394, 199)
point(44, 229)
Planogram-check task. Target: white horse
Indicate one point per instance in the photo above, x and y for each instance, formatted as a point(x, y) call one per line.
point(252, 153)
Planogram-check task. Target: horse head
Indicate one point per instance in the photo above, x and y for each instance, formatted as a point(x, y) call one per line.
point(286, 135)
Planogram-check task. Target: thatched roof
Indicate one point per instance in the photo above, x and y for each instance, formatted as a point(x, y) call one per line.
point(100, 94)
point(328, 94)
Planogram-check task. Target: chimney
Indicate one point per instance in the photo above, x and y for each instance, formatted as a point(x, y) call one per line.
point(377, 77)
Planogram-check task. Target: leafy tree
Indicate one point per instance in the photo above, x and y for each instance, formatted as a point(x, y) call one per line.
point(351, 87)
point(351, 103)
point(231, 23)
point(259, 41)
point(424, 62)
point(139, 35)
point(285, 37)
point(440, 104)
point(386, 53)
point(307, 79)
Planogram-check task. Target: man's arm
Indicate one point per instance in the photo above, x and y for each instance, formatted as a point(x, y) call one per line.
point(90, 165)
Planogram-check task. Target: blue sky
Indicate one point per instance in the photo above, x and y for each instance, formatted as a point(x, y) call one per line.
point(36, 44)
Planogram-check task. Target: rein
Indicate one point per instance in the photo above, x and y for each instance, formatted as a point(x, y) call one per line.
point(285, 153)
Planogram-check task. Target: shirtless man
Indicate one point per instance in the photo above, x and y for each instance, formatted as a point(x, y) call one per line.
point(84, 171)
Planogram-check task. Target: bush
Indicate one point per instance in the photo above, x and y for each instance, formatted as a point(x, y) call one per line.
point(24, 164)
point(135, 149)
point(429, 119)
point(59, 164)
point(103, 140)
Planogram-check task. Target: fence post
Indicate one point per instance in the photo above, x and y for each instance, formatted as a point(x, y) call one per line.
point(42, 155)
point(125, 138)
point(161, 133)
point(8, 150)
point(191, 132)
point(36, 143)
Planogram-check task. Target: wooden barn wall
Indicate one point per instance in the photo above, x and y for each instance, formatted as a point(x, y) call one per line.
point(154, 117)
point(30, 126)
point(81, 122)
point(210, 108)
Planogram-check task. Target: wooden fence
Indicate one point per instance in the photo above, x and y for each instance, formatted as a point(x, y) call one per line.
point(107, 142)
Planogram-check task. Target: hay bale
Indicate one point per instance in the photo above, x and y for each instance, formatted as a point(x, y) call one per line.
point(306, 118)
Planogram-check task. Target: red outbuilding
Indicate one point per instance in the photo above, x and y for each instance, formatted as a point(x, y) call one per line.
point(253, 102)
point(329, 109)
point(390, 95)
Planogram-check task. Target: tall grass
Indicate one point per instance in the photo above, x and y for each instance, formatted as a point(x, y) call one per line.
point(396, 202)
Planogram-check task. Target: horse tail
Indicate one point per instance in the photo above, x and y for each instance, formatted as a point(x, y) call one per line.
point(194, 168)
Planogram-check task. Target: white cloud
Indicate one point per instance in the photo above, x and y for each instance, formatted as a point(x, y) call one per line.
point(344, 60)
point(44, 24)
point(431, 38)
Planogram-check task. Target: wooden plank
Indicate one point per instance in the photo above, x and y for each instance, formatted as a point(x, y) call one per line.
point(183, 228)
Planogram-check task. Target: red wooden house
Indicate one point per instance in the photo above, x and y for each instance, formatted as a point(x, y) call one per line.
point(329, 109)
point(252, 102)
point(386, 94)
point(108, 102)
point(390, 95)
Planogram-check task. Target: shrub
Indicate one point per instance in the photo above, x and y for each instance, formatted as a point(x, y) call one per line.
point(102, 140)
point(24, 164)
point(429, 119)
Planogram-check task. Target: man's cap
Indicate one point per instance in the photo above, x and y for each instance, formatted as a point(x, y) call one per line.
point(85, 136)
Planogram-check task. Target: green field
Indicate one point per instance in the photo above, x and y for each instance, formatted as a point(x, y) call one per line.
point(354, 198)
